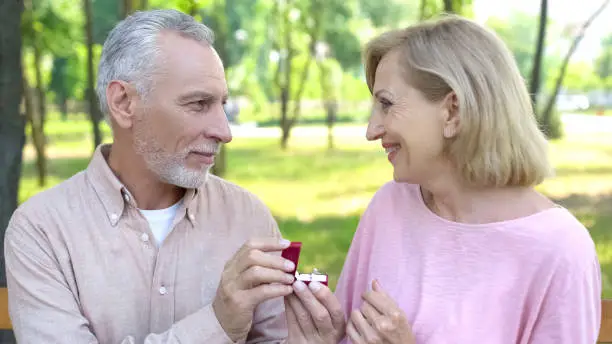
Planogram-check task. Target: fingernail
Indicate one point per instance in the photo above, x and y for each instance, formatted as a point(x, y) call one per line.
point(315, 286)
point(289, 278)
point(299, 286)
point(285, 243)
point(289, 265)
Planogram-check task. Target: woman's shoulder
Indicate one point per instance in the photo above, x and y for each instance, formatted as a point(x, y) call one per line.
point(566, 233)
point(393, 191)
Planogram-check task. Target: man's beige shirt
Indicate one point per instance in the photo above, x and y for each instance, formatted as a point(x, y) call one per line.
point(83, 267)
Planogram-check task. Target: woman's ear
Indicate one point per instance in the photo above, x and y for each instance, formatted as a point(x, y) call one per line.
point(451, 120)
point(120, 96)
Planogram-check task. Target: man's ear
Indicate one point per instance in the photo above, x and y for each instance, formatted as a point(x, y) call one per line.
point(121, 100)
point(451, 120)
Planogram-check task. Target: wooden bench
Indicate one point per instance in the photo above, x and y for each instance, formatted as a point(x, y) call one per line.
point(605, 332)
point(5, 321)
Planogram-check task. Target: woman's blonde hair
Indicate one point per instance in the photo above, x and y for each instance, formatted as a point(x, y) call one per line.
point(499, 143)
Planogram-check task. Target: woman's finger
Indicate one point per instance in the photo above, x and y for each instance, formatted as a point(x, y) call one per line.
point(318, 313)
point(371, 314)
point(364, 328)
point(353, 334)
point(301, 314)
point(331, 303)
point(293, 324)
point(381, 301)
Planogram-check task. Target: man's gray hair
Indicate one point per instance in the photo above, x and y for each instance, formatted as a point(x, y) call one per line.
point(130, 52)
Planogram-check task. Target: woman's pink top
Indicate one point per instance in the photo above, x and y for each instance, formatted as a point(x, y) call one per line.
point(532, 280)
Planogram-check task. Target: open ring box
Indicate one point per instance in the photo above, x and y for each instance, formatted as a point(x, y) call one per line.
point(292, 253)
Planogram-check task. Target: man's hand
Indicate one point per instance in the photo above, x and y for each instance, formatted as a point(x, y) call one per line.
point(251, 277)
point(379, 320)
point(314, 315)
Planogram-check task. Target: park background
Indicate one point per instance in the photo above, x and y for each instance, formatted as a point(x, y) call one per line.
point(295, 74)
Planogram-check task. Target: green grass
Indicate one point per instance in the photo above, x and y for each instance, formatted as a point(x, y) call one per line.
point(318, 195)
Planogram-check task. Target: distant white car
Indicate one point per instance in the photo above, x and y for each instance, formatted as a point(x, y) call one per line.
point(572, 102)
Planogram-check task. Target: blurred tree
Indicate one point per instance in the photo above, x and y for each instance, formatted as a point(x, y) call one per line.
point(47, 30)
point(36, 118)
point(12, 123)
point(604, 63)
point(59, 85)
point(517, 31)
point(129, 6)
point(535, 79)
point(106, 14)
point(580, 77)
point(95, 114)
point(547, 114)
point(392, 13)
point(448, 6)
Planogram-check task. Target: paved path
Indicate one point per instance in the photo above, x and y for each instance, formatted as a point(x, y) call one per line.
point(575, 123)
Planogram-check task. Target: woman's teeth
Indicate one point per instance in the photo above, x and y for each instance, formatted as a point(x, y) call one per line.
point(392, 149)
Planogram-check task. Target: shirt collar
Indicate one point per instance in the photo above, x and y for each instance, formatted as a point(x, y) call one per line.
point(115, 196)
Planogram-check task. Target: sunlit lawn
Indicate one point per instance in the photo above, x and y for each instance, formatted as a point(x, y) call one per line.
point(318, 195)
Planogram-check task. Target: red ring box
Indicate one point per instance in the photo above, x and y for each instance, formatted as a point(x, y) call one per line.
point(292, 253)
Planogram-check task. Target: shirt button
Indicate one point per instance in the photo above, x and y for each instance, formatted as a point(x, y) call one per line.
point(126, 197)
point(114, 216)
point(192, 217)
point(163, 291)
point(144, 237)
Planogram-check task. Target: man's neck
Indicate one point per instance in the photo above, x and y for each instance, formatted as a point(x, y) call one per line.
point(148, 191)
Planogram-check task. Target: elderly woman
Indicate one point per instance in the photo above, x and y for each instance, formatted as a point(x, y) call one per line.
point(460, 248)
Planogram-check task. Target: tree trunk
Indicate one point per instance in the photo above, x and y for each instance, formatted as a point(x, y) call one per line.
point(127, 8)
point(38, 137)
point(422, 10)
point(286, 86)
point(12, 124)
point(547, 114)
point(221, 31)
point(36, 117)
point(284, 122)
point(332, 108)
point(94, 110)
point(448, 6)
point(193, 7)
point(63, 105)
point(40, 89)
point(534, 84)
point(330, 104)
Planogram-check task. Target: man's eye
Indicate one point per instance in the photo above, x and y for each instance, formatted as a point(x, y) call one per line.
point(197, 105)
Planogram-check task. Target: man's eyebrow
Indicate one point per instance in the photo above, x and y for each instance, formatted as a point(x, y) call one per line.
point(200, 95)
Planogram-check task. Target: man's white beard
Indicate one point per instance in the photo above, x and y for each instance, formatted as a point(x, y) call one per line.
point(170, 167)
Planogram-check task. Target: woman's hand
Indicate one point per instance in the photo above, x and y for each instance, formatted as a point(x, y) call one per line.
point(314, 315)
point(379, 320)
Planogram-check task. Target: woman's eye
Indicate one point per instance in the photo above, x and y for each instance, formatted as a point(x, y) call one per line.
point(384, 103)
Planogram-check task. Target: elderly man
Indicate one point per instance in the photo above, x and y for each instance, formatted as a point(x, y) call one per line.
point(144, 245)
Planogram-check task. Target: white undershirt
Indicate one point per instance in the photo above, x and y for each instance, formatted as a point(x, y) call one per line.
point(160, 221)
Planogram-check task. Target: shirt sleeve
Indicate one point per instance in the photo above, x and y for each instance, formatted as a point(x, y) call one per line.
point(269, 320)
point(354, 280)
point(44, 309)
point(571, 312)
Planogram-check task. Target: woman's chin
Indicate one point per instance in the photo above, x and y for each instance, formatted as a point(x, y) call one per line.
point(400, 177)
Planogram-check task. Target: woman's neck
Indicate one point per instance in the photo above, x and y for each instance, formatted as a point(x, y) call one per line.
point(457, 202)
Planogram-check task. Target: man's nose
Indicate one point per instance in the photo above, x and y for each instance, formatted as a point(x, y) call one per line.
point(218, 128)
